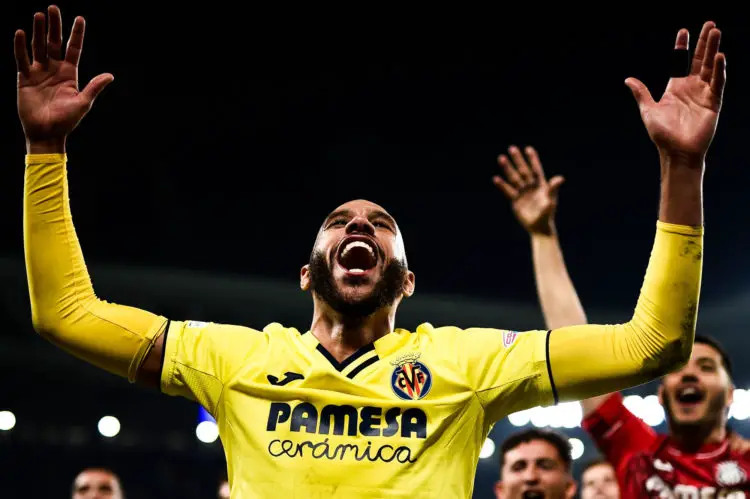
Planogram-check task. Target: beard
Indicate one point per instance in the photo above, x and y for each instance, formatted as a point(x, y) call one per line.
point(385, 292)
point(715, 409)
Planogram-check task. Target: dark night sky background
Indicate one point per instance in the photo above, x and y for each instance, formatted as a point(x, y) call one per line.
point(229, 133)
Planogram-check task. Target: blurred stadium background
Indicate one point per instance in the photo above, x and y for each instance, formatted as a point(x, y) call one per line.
point(199, 181)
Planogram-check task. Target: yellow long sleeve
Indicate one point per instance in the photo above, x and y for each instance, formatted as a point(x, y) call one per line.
point(64, 308)
point(591, 360)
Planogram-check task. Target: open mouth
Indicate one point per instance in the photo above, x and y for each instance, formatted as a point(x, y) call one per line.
point(690, 395)
point(533, 494)
point(357, 255)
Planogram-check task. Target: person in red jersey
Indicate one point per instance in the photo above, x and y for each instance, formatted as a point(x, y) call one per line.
point(695, 459)
point(699, 457)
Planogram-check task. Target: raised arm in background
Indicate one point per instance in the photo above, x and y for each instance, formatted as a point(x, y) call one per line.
point(534, 201)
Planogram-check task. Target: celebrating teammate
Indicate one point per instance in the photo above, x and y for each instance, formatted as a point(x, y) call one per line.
point(353, 406)
point(699, 457)
point(535, 464)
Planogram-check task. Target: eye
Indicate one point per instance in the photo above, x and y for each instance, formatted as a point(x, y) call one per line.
point(337, 222)
point(518, 466)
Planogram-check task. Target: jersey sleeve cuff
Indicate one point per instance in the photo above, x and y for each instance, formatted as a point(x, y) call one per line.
point(38, 159)
point(609, 411)
point(685, 230)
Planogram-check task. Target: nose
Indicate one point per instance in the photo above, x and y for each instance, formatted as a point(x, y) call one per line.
point(360, 224)
point(531, 476)
point(688, 375)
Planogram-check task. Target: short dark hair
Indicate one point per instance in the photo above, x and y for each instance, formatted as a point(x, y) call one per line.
point(716, 345)
point(555, 439)
point(591, 463)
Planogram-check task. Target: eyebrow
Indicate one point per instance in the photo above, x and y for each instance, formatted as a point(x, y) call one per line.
point(706, 359)
point(373, 214)
point(543, 459)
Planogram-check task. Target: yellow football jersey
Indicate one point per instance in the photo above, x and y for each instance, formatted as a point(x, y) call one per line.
point(405, 416)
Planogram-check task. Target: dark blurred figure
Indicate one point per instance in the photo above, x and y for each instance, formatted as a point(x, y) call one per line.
point(97, 483)
point(535, 464)
point(599, 481)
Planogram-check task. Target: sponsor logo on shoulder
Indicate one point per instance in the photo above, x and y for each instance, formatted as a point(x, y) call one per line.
point(196, 324)
point(509, 337)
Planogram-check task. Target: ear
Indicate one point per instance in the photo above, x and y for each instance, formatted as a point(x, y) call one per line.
point(660, 394)
point(499, 490)
point(304, 278)
point(571, 489)
point(408, 287)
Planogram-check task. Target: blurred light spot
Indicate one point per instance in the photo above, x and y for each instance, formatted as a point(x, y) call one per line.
point(207, 431)
point(487, 449)
point(7, 420)
point(576, 448)
point(109, 426)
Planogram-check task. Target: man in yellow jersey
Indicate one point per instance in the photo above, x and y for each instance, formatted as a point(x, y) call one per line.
point(354, 406)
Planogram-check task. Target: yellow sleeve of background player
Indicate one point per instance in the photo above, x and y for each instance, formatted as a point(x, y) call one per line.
point(515, 371)
point(201, 358)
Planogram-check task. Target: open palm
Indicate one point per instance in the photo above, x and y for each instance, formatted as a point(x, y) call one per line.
point(49, 103)
point(533, 198)
point(684, 120)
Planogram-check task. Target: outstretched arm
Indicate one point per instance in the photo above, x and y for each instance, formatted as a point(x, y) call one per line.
point(65, 310)
point(594, 360)
point(576, 362)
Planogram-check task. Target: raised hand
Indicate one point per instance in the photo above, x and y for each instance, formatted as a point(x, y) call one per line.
point(683, 122)
point(50, 105)
point(533, 198)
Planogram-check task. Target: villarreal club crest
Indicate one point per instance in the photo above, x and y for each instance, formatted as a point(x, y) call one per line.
point(411, 379)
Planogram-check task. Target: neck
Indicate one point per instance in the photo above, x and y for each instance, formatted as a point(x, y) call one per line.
point(691, 438)
point(343, 336)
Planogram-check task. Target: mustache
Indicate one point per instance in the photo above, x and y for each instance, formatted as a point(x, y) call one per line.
point(384, 293)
